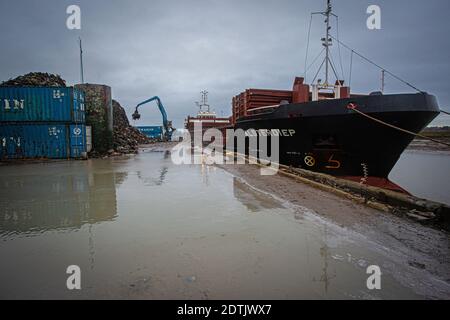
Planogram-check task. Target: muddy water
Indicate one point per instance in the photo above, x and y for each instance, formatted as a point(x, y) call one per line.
point(425, 174)
point(141, 227)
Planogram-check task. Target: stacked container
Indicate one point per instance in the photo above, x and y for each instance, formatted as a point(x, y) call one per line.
point(38, 122)
point(252, 99)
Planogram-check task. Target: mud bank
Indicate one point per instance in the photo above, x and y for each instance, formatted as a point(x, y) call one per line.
point(438, 133)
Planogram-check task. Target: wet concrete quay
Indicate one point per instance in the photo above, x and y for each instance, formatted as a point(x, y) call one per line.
point(142, 227)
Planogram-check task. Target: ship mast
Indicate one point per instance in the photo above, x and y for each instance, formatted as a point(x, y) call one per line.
point(326, 42)
point(204, 100)
point(204, 107)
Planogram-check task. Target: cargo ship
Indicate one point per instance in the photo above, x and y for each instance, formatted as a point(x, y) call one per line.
point(324, 127)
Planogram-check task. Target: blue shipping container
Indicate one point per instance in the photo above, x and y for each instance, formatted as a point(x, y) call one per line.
point(34, 104)
point(154, 132)
point(78, 147)
point(53, 141)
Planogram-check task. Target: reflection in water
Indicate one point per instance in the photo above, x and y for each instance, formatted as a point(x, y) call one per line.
point(152, 181)
point(35, 203)
point(91, 248)
point(205, 173)
point(256, 201)
point(120, 177)
point(159, 180)
point(324, 253)
point(204, 233)
point(166, 154)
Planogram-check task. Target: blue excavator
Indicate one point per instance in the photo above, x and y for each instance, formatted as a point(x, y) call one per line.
point(167, 125)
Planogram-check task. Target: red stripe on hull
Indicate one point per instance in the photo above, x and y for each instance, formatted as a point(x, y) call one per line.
point(377, 182)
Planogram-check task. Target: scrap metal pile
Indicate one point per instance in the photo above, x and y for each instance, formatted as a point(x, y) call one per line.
point(126, 137)
point(35, 79)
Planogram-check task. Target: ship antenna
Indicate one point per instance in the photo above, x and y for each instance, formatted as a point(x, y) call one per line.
point(205, 99)
point(327, 42)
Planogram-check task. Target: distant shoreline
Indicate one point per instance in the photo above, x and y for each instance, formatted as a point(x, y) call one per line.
point(437, 133)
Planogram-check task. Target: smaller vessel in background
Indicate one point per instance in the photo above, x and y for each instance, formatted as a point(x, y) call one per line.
point(205, 116)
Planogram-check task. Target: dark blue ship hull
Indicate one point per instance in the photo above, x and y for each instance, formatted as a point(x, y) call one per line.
point(326, 136)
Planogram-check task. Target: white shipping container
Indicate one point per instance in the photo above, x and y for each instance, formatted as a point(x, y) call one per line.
point(88, 138)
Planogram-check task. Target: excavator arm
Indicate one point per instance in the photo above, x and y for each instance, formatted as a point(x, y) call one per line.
point(168, 130)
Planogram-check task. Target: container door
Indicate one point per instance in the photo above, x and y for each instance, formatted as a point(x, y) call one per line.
point(78, 141)
point(78, 106)
point(88, 138)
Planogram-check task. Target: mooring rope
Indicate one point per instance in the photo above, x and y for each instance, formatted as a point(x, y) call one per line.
point(307, 47)
point(353, 107)
point(339, 47)
point(351, 69)
point(447, 113)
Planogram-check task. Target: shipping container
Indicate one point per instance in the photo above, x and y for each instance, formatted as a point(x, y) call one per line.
point(252, 100)
point(35, 104)
point(153, 132)
point(88, 138)
point(38, 140)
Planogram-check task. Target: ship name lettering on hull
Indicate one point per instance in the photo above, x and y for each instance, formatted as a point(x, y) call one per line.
point(270, 132)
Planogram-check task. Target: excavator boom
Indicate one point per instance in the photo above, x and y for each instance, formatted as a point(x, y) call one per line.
point(168, 130)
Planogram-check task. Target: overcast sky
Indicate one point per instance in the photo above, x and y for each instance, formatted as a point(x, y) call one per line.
point(175, 49)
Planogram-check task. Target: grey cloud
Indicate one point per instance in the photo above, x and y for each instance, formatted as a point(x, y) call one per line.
point(175, 49)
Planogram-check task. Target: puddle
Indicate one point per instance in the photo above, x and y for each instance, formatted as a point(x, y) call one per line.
point(143, 227)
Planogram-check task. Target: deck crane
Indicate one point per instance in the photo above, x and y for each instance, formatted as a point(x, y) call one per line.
point(168, 129)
